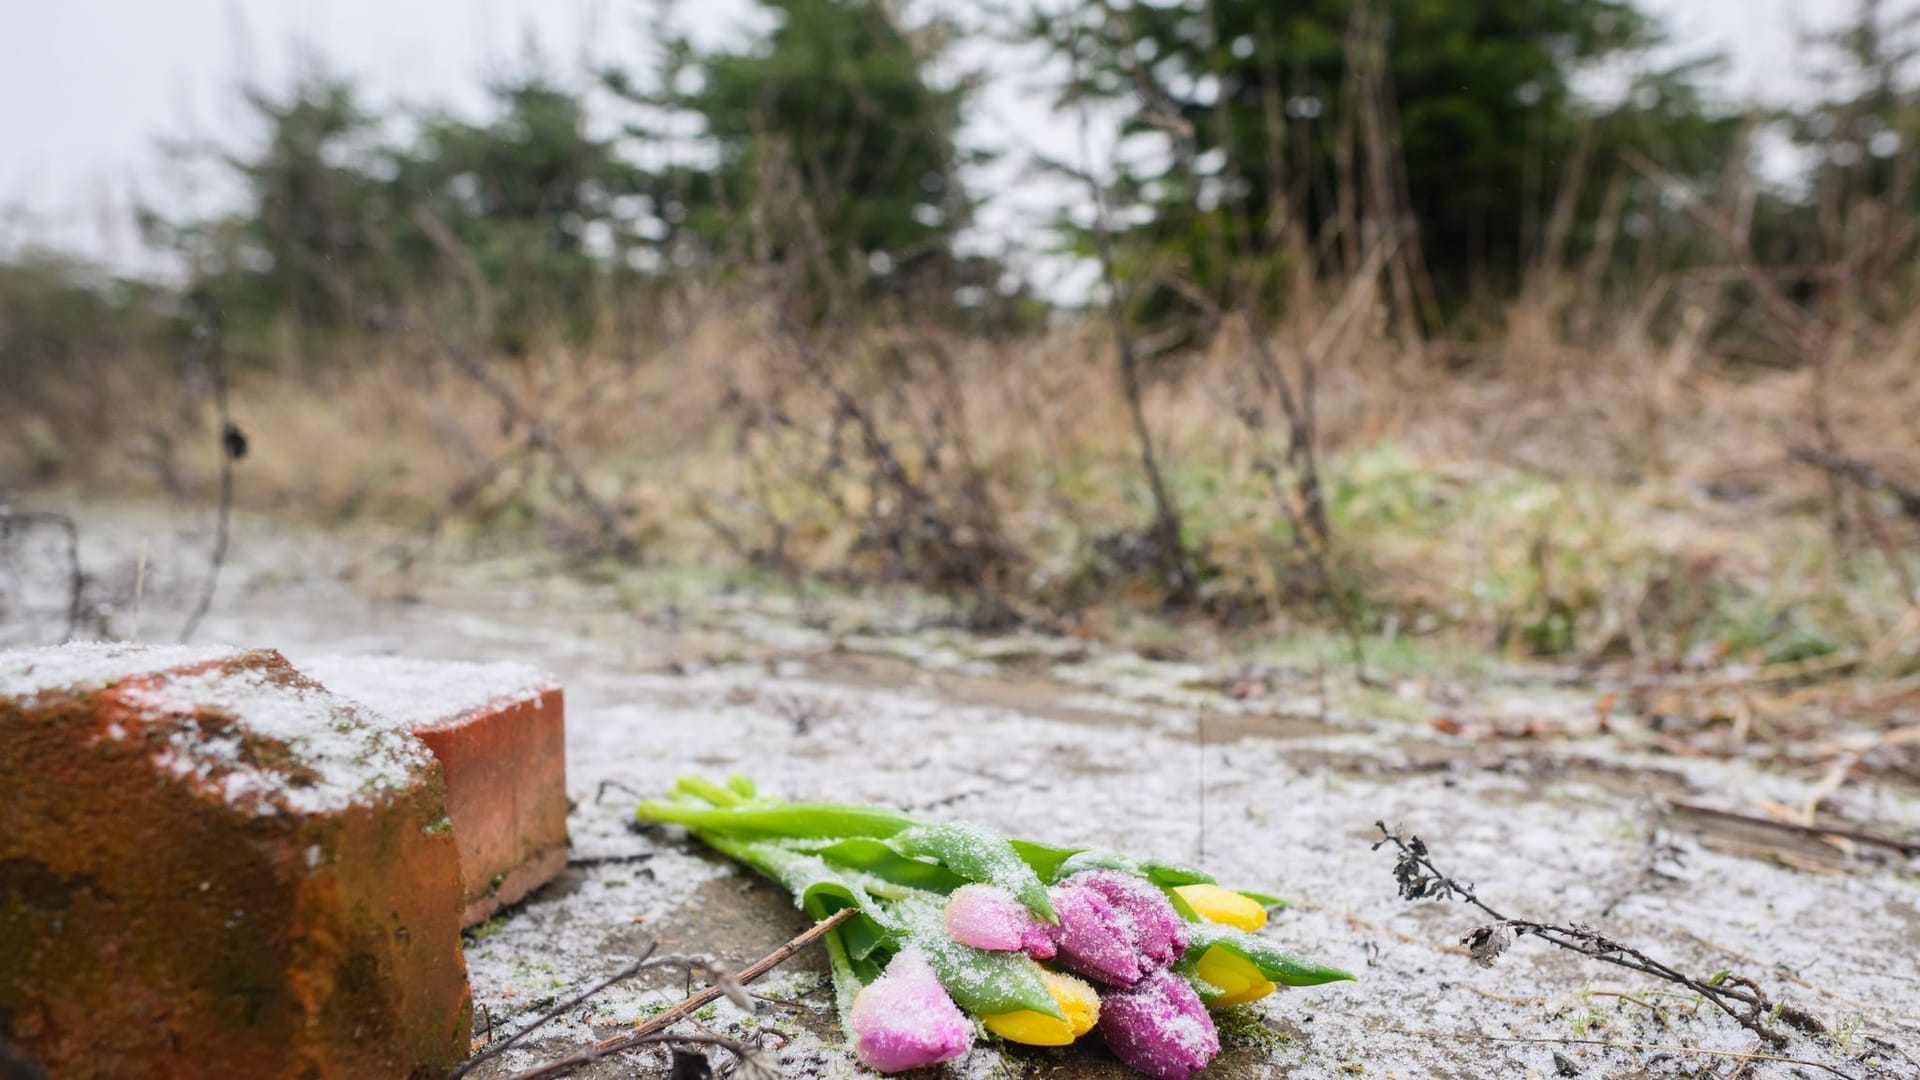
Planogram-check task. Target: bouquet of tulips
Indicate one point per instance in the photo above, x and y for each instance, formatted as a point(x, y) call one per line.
point(1039, 944)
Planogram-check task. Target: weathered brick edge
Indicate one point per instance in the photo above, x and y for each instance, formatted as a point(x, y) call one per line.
point(506, 770)
point(149, 929)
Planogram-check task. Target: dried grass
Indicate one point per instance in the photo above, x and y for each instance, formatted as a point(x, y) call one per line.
point(1617, 494)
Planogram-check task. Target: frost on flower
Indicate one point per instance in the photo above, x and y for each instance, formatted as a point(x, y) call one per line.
point(1093, 938)
point(990, 917)
point(905, 1019)
point(1157, 932)
point(970, 914)
point(1159, 1027)
point(1079, 1007)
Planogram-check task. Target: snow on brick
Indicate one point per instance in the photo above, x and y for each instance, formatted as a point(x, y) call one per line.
point(334, 754)
point(91, 665)
point(499, 731)
point(209, 866)
point(417, 694)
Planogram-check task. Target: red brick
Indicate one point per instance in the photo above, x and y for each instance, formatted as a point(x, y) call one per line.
point(499, 731)
point(211, 867)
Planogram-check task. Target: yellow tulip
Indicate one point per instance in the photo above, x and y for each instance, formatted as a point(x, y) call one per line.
point(1235, 975)
point(1077, 1002)
point(1215, 904)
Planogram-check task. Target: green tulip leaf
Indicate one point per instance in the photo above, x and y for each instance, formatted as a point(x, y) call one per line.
point(982, 855)
point(1045, 859)
point(1276, 964)
point(817, 887)
point(702, 788)
point(982, 983)
point(884, 862)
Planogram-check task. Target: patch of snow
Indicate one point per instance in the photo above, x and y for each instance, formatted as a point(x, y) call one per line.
point(1551, 829)
point(416, 694)
point(92, 665)
point(1260, 814)
point(336, 757)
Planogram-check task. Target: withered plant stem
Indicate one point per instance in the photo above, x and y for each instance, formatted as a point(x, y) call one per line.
point(233, 445)
point(1739, 997)
point(650, 1031)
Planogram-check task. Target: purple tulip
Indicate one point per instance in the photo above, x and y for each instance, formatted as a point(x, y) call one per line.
point(992, 918)
point(1158, 932)
point(904, 1019)
point(1159, 1027)
point(1094, 939)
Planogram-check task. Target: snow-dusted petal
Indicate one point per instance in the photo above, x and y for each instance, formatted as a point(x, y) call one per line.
point(1159, 1027)
point(905, 1019)
point(1094, 939)
point(1158, 933)
point(990, 917)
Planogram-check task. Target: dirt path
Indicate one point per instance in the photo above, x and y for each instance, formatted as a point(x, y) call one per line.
point(1275, 788)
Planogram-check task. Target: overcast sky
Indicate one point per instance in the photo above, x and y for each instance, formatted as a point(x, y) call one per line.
point(89, 87)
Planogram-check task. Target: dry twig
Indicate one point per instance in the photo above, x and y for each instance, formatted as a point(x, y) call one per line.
point(233, 447)
point(1910, 847)
point(1739, 997)
point(494, 1049)
point(1862, 474)
point(652, 1031)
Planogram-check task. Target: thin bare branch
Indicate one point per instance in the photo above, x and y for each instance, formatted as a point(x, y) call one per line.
point(651, 1031)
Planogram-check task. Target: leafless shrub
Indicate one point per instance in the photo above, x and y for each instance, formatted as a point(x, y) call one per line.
point(885, 456)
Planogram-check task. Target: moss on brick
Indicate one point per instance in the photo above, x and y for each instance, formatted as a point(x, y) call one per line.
point(173, 922)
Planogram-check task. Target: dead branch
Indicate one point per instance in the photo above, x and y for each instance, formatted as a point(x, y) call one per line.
point(538, 439)
point(935, 525)
point(1803, 330)
point(1908, 848)
point(233, 447)
point(1169, 536)
point(1739, 997)
point(1862, 474)
point(652, 1030)
point(494, 1049)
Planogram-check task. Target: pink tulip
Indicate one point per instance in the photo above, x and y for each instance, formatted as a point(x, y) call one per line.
point(904, 1019)
point(992, 918)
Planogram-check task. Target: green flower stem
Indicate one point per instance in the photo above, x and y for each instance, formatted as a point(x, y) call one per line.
point(846, 984)
point(706, 789)
point(813, 821)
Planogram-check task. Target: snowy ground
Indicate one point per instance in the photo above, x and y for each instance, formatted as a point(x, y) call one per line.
point(1276, 790)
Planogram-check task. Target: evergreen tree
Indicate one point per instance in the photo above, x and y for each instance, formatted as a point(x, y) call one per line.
point(1312, 128)
point(830, 149)
point(533, 199)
